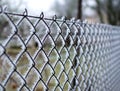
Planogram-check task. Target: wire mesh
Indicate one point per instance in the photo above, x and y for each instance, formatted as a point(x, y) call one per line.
point(43, 54)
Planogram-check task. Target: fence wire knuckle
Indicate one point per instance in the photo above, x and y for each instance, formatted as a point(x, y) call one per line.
point(43, 54)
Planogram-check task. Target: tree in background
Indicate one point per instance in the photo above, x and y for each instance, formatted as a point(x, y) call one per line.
point(68, 8)
point(79, 10)
point(109, 9)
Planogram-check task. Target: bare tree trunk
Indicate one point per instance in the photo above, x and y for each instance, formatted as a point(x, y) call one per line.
point(79, 12)
point(98, 10)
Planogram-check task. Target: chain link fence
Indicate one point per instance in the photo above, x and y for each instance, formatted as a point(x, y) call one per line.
point(43, 54)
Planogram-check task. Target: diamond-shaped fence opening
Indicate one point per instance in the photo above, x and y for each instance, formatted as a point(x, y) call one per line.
point(78, 72)
point(68, 66)
point(40, 60)
point(14, 47)
point(40, 86)
point(86, 31)
point(65, 30)
point(24, 28)
point(14, 82)
point(6, 28)
point(43, 54)
point(32, 78)
point(67, 86)
point(63, 78)
point(58, 89)
point(58, 69)
point(81, 79)
point(6, 68)
point(72, 53)
point(33, 45)
point(54, 30)
point(53, 83)
point(24, 64)
point(47, 73)
point(73, 31)
point(59, 43)
point(82, 60)
point(48, 44)
point(71, 76)
point(41, 29)
point(53, 58)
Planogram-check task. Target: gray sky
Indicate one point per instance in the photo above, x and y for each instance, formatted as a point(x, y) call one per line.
point(37, 6)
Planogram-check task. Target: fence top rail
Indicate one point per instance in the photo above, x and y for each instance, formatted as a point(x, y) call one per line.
point(55, 19)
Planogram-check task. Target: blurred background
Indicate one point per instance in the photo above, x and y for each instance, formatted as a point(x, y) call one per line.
point(101, 11)
point(104, 11)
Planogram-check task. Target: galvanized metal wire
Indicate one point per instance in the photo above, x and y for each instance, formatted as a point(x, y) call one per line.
point(43, 54)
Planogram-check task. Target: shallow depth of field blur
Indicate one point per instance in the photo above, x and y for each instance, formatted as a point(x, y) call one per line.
point(102, 11)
